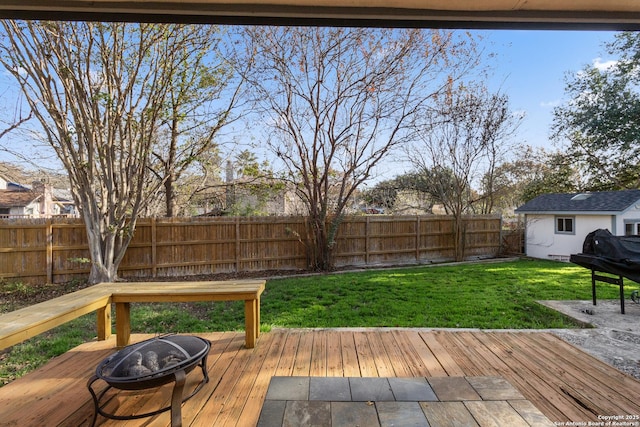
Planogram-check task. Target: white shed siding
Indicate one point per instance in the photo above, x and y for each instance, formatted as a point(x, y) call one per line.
point(632, 214)
point(543, 242)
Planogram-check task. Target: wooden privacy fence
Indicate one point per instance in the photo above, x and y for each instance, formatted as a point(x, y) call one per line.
point(56, 250)
point(513, 241)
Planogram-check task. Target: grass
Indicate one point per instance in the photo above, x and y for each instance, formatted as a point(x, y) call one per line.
point(486, 295)
point(493, 296)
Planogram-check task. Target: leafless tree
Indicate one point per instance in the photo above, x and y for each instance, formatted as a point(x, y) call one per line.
point(336, 101)
point(99, 92)
point(13, 126)
point(462, 142)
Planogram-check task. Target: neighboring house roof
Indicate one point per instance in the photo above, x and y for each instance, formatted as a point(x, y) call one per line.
point(588, 203)
point(62, 196)
point(12, 199)
point(13, 186)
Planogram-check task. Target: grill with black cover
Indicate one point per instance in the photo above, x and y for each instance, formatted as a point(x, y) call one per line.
point(616, 255)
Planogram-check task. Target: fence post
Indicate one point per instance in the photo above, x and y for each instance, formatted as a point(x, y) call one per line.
point(237, 244)
point(154, 248)
point(417, 238)
point(49, 250)
point(366, 240)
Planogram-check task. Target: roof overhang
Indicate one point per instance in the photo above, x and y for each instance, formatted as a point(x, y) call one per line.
point(519, 14)
point(570, 213)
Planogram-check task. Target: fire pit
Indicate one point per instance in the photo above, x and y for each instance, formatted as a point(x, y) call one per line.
point(149, 364)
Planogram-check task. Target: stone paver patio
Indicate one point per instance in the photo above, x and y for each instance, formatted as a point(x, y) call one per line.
point(407, 402)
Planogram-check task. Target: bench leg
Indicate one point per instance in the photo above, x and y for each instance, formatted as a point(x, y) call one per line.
point(104, 322)
point(258, 317)
point(123, 323)
point(251, 322)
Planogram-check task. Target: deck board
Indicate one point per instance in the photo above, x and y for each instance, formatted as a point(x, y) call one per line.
point(442, 355)
point(302, 364)
point(535, 383)
point(318, 367)
point(335, 367)
point(564, 383)
point(365, 356)
point(592, 392)
point(426, 357)
point(381, 359)
point(287, 358)
point(350, 365)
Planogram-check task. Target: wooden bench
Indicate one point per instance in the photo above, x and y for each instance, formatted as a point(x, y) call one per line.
point(27, 322)
point(123, 294)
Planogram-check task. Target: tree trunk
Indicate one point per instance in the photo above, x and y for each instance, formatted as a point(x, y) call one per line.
point(106, 250)
point(100, 273)
point(320, 251)
point(459, 237)
point(170, 196)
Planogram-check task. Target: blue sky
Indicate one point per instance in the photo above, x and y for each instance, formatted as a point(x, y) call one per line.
point(531, 68)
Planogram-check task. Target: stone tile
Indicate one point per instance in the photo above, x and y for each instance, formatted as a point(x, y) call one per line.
point(350, 414)
point(401, 414)
point(272, 413)
point(453, 389)
point(494, 388)
point(412, 389)
point(288, 388)
point(307, 413)
point(329, 388)
point(370, 389)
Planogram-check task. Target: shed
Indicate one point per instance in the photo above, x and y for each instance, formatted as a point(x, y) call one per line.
point(557, 224)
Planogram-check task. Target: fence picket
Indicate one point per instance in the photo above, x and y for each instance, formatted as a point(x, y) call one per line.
point(53, 250)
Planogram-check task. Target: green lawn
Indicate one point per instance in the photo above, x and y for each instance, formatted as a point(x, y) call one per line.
point(483, 295)
point(501, 295)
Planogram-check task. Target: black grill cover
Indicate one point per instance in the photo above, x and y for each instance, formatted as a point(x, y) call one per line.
point(602, 251)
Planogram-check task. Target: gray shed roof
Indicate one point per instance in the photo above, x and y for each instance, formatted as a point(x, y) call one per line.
point(588, 202)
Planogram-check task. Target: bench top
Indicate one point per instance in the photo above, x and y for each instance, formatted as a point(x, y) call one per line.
point(19, 325)
point(187, 291)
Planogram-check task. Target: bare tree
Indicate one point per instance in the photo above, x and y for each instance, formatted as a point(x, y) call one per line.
point(13, 126)
point(462, 142)
point(98, 92)
point(337, 101)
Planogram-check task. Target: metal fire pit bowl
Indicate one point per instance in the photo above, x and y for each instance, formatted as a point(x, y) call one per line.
point(149, 364)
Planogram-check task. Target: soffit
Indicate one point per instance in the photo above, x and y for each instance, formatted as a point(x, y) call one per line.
point(543, 14)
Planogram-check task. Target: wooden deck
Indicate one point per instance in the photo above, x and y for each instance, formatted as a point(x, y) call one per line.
point(563, 382)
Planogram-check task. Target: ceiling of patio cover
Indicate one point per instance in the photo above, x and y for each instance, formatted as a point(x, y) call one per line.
point(567, 14)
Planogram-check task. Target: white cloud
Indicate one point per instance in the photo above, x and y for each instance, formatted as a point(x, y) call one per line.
point(550, 104)
point(604, 65)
